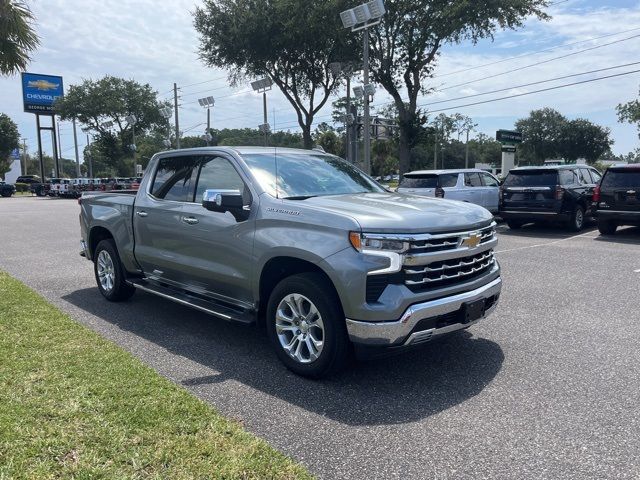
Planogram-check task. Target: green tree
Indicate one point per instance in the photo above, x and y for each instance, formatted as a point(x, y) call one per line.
point(406, 45)
point(290, 41)
point(18, 38)
point(582, 139)
point(542, 132)
point(9, 141)
point(95, 102)
point(326, 137)
point(630, 112)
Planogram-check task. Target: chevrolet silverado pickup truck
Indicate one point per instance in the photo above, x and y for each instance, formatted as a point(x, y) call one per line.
point(299, 241)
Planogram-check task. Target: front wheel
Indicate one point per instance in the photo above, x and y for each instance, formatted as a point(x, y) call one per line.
point(306, 326)
point(110, 275)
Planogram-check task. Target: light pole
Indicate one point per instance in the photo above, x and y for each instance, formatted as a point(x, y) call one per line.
point(208, 103)
point(132, 120)
point(337, 69)
point(24, 155)
point(361, 18)
point(263, 86)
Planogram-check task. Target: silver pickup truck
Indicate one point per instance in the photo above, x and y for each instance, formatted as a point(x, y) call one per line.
point(300, 241)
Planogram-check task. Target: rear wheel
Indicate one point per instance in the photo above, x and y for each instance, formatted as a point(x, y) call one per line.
point(607, 227)
point(110, 275)
point(576, 223)
point(306, 326)
point(514, 224)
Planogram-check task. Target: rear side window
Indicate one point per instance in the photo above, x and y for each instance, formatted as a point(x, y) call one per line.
point(568, 177)
point(489, 180)
point(472, 179)
point(448, 180)
point(532, 178)
point(174, 179)
point(622, 179)
point(595, 175)
point(419, 181)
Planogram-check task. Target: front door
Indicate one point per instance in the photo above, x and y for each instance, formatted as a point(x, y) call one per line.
point(219, 249)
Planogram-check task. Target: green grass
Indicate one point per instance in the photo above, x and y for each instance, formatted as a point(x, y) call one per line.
point(74, 405)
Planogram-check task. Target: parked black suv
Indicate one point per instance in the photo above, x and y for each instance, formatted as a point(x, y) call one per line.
point(6, 189)
point(562, 193)
point(36, 185)
point(616, 200)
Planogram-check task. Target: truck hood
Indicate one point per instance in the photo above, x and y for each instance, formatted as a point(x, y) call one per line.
point(400, 213)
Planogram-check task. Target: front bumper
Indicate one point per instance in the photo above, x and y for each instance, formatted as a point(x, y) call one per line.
point(406, 331)
point(84, 250)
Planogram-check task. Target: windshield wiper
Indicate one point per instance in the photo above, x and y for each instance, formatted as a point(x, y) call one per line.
point(299, 197)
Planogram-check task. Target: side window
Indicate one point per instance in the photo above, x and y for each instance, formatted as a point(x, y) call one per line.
point(489, 181)
point(174, 179)
point(583, 175)
point(218, 173)
point(567, 177)
point(448, 180)
point(595, 176)
point(472, 180)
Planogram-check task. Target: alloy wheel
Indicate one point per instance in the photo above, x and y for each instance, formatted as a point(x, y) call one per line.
point(300, 328)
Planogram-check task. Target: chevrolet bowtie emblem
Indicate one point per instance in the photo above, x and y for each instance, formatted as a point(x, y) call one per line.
point(472, 241)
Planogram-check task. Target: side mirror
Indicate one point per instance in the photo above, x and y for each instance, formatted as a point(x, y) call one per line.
point(222, 200)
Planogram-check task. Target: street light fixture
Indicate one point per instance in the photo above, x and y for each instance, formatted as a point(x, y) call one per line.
point(361, 18)
point(208, 103)
point(263, 85)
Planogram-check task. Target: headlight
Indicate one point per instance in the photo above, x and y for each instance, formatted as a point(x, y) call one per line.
point(374, 242)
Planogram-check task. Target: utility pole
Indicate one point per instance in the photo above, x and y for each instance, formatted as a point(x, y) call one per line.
point(435, 149)
point(466, 151)
point(55, 148)
point(265, 122)
point(208, 126)
point(367, 120)
point(75, 143)
point(90, 159)
point(175, 107)
point(347, 137)
point(24, 155)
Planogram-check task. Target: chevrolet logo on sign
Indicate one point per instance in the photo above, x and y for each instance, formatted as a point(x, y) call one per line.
point(472, 241)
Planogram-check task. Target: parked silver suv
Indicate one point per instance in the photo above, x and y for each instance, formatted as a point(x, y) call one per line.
point(467, 185)
point(299, 240)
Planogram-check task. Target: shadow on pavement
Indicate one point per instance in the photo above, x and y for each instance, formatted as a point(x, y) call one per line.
point(398, 389)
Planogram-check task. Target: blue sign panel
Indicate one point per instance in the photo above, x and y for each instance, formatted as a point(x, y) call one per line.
point(40, 91)
point(15, 154)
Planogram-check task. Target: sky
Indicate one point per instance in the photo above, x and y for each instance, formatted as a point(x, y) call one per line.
point(153, 41)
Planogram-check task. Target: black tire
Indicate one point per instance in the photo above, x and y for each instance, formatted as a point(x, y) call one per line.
point(335, 341)
point(576, 223)
point(7, 195)
point(120, 290)
point(514, 225)
point(607, 227)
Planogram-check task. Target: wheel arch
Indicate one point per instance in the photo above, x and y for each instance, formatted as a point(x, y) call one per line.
point(96, 235)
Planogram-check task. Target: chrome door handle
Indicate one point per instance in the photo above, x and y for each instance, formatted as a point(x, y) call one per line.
point(141, 213)
point(190, 220)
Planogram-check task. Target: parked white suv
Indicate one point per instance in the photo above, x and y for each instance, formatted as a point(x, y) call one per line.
point(468, 185)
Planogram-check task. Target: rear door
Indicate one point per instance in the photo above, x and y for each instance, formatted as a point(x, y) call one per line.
point(620, 189)
point(491, 191)
point(157, 219)
point(473, 189)
point(531, 190)
point(419, 184)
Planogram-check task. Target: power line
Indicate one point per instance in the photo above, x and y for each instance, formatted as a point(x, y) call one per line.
point(537, 91)
point(538, 63)
point(530, 84)
point(533, 53)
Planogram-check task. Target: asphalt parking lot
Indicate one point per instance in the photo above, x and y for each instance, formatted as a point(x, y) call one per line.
point(547, 387)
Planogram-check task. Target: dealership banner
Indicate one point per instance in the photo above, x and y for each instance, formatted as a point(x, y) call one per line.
point(40, 91)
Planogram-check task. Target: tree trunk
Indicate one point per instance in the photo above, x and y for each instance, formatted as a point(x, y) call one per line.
point(404, 153)
point(306, 137)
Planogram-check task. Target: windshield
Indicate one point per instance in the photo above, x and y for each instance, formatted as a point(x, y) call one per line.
point(622, 179)
point(302, 175)
point(532, 178)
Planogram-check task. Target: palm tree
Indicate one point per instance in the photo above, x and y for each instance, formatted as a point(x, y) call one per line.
point(17, 36)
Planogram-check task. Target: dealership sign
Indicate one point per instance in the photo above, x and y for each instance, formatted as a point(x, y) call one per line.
point(40, 91)
point(508, 136)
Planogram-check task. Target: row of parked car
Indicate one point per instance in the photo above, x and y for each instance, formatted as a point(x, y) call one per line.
point(567, 194)
point(74, 187)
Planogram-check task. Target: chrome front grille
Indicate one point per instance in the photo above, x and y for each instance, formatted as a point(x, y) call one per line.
point(447, 241)
point(457, 268)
